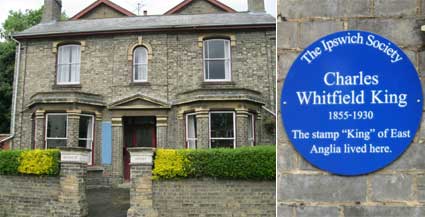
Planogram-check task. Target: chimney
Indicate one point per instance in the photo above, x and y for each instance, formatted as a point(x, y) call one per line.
point(52, 11)
point(256, 6)
point(145, 13)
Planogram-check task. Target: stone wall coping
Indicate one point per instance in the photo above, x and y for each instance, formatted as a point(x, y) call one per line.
point(141, 156)
point(74, 155)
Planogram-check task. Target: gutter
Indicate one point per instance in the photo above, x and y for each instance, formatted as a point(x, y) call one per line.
point(15, 92)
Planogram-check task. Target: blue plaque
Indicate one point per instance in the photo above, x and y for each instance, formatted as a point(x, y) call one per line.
point(351, 103)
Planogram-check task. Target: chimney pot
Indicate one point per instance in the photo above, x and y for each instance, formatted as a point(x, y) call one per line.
point(52, 11)
point(256, 6)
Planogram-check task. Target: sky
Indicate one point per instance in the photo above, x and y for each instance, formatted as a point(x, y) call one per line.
point(72, 7)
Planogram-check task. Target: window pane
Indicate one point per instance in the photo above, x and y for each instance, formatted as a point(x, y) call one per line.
point(63, 73)
point(191, 144)
point(86, 125)
point(222, 143)
point(191, 131)
point(251, 129)
point(75, 53)
point(56, 126)
point(141, 73)
point(140, 55)
point(75, 73)
point(222, 125)
point(216, 49)
point(216, 69)
point(84, 143)
point(64, 54)
point(54, 143)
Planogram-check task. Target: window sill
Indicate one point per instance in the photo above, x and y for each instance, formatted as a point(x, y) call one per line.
point(213, 83)
point(140, 83)
point(66, 86)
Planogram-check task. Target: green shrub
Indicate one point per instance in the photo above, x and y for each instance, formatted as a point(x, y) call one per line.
point(247, 163)
point(34, 162)
point(9, 162)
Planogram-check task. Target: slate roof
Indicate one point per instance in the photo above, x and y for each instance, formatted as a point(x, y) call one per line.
point(149, 23)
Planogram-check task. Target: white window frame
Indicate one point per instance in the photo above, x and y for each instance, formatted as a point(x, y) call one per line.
point(140, 64)
point(187, 132)
point(56, 138)
point(227, 76)
point(92, 139)
point(221, 138)
point(58, 64)
point(252, 139)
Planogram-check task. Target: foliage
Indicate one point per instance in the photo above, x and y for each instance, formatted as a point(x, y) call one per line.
point(9, 162)
point(170, 163)
point(33, 162)
point(247, 163)
point(15, 22)
point(40, 162)
point(18, 21)
point(7, 63)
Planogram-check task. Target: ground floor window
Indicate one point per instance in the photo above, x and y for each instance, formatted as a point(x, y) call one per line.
point(251, 129)
point(191, 138)
point(56, 130)
point(85, 137)
point(222, 129)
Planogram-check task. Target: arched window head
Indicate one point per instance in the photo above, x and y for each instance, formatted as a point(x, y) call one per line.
point(217, 60)
point(140, 64)
point(68, 64)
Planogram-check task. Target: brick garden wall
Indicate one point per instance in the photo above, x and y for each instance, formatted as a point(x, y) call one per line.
point(398, 190)
point(207, 197)
point(28, 195)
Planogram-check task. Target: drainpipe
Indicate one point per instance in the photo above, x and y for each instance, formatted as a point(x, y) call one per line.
point(15, 92)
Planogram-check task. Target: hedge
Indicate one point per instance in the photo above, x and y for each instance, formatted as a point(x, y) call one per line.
point(246, 163)
point(31, 162)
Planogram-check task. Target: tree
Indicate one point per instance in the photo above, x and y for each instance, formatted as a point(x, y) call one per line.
point(16, 21)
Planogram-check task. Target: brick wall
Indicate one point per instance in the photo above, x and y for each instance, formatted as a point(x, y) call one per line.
point(41, 196)
point(28, 196)
point(302, 190)
point(207, 197)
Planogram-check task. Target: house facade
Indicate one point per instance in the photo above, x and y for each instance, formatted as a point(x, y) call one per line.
point(200, 76)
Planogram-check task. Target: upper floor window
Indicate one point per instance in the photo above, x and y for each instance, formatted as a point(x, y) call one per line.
point(68, 69)
point(217, 61)
point(140, 64)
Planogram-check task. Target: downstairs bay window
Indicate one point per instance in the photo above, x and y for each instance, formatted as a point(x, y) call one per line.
point(222, 129)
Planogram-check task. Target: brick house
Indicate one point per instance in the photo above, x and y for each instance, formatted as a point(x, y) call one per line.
point(200, 76)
